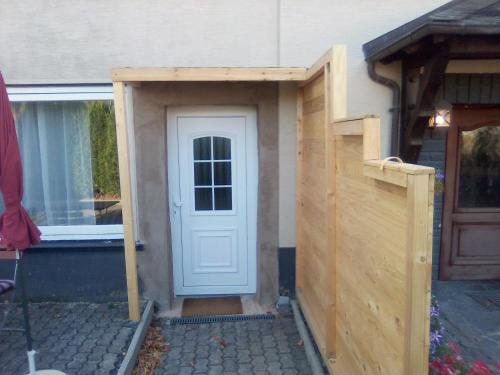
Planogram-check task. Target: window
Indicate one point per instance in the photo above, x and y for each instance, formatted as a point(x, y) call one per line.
point(212, 174)
point(479, 173)
point(67, 137)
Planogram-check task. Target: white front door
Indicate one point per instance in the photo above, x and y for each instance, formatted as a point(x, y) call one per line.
point(212, 173)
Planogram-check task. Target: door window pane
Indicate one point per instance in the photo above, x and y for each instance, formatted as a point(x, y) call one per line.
point(212, 176)
point(203, 174)
point(222, 173)
point(70, 162)
point(479, 174)
point(223, 198)
point(203, 199)
point(222, 148)
point(202, 148)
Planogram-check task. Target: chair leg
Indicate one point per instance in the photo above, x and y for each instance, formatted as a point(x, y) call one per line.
point(24, 303)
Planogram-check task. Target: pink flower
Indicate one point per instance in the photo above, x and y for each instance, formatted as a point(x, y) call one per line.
point(479, 368)
point(454, 347)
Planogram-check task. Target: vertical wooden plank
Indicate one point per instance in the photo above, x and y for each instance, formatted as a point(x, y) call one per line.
point(336, 108)
point(299, 264)
point(330, 218)
point(338, 83)
point(126, 199)
point(371, 138)
point(419, 268)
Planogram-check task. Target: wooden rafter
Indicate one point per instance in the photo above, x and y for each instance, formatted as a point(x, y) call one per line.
point(430, 80)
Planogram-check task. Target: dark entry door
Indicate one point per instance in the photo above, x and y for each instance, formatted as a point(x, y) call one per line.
point(471, 214)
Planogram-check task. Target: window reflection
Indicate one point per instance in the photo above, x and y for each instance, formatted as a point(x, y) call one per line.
point(479, 175)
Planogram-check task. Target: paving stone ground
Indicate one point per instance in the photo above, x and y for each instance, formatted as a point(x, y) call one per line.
point(470, 311)
point(254, 347)
point(77, 338)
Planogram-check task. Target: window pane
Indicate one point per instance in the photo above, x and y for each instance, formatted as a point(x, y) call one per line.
point(203, 174)
point(222, 173)
point(223, 199)
point(479, 176)
point(201, 148)
point(70, 162)
point(222, 148)
point(203, 199)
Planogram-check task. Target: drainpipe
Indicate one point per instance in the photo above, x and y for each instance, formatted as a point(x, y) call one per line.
point(396, 105)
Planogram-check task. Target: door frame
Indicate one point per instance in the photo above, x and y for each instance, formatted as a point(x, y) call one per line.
point(252, 185)
point(463, 117)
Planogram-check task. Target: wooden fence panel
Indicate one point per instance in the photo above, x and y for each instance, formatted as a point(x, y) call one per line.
point(364, 230)
point(311, 203)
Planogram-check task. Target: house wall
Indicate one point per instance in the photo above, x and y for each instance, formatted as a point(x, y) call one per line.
point(57, 42)
point(150, 104)
point(55, 273)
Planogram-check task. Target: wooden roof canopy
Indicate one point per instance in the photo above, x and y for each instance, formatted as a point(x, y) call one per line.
point(209, 74)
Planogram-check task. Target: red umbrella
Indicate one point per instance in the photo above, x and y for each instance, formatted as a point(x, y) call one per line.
point(17, 231)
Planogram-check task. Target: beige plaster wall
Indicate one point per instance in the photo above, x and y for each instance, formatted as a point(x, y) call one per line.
point(55, 41)
point(150, 104)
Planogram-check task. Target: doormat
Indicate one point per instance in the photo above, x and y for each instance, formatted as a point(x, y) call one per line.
point(211, 306)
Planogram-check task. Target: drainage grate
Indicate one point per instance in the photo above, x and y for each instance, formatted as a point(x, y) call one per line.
point(219, 318)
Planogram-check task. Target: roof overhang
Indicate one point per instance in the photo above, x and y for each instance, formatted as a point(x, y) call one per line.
point(380, 48)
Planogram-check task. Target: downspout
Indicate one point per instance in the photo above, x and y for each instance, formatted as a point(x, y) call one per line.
point(396, 105)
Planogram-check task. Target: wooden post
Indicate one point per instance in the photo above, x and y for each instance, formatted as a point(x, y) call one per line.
point(299, 271)
point(126, 200)
point(336, 108)
point(420, 198)
point(338, 83)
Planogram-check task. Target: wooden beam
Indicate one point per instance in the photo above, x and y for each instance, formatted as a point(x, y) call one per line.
point(126, 200)
point(350, 125)
point(430, 81)
point(371, 138)
point(402, 167)
point(393, 172)
point(338, 83)
point(317, 68)
point(330, 159)
point(207, 74)
point(299, 263)
point(419, 268)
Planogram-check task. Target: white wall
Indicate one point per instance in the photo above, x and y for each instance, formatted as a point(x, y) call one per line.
point(55, 41)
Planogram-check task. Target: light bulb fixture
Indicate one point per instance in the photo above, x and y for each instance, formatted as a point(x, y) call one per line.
point(441, 116)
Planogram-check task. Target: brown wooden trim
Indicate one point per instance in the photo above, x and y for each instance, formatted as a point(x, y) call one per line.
point(464, 117)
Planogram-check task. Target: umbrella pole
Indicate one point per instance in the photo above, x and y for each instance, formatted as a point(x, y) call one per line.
point(27, 327)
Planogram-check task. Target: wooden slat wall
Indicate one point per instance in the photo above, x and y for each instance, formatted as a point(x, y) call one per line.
point(364, 229)
point(311, 201)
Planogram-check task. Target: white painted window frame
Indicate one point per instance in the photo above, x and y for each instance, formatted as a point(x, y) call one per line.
point(77, 93)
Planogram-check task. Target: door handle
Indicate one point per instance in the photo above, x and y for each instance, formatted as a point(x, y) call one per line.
point(177, 203)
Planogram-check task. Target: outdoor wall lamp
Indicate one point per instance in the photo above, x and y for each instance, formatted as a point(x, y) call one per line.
point(441, 116)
